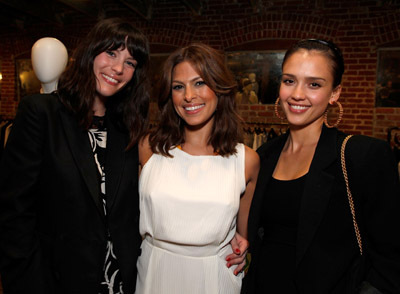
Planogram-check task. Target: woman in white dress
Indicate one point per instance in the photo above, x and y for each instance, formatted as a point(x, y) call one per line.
point(196, 182)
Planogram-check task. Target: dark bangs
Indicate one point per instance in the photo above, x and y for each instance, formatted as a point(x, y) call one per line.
point(123, 35)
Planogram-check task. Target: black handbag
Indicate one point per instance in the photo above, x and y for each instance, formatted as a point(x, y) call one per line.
point(356, 279)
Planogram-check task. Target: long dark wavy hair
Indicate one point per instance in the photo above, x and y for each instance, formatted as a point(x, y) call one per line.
point(77, 85)
point(210, 65)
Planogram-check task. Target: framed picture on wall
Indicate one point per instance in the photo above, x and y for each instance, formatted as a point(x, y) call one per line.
point(388, 78)
point(257, 74)
point(26, 81)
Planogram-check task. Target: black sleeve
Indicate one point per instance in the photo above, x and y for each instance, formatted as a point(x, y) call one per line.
point(374, 181)
point(21, 264)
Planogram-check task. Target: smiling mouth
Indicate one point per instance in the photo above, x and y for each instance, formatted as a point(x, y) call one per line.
point(110, 79)
point(299, 107)
point(192, 108)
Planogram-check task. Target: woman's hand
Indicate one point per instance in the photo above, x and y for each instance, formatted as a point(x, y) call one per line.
point(238, 257)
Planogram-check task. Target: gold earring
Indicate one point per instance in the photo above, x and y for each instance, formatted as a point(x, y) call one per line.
point(339, 118)
point(276, 109)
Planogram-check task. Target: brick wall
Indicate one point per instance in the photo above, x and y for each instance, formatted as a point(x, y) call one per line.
point(360, 28)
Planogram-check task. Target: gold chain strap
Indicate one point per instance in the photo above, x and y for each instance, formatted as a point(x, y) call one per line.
point(349, 196)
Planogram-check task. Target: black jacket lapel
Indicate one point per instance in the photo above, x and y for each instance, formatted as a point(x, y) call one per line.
point(317, 191)
point(79, 145)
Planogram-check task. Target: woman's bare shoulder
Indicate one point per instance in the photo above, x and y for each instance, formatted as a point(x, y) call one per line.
point(145, 151)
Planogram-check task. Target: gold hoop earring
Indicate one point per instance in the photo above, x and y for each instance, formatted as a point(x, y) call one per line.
point(276, 109)
point(339, 118)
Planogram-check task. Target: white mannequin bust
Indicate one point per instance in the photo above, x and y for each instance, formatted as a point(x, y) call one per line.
point(49, 59)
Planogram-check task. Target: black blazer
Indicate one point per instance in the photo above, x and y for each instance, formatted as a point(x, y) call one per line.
point(326, 242)
point(52, 224)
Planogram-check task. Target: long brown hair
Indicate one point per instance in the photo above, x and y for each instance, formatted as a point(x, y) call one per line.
point(210, 65)
point(77, 85)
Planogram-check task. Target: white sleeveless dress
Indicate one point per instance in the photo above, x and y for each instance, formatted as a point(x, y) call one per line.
point(188, 209)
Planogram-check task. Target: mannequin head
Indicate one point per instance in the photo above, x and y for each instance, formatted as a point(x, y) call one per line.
point(49, 59)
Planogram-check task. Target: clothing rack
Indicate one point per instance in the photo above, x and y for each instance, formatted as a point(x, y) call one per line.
point(393, 138)
point(261, 127)
point(258, 133)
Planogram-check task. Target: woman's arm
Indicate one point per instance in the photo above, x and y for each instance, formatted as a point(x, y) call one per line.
point(252, 166)
point(374, 182)
point(239, 243)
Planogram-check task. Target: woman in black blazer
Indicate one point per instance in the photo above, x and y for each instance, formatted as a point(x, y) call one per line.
point(301, 233)
point(68, 180)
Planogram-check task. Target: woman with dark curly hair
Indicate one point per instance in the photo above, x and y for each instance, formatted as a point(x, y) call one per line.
point(197, 180)
point(68, 182)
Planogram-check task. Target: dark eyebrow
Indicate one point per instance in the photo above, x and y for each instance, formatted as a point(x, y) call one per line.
point(308, 78)
point(316, 78)
point(192, 80)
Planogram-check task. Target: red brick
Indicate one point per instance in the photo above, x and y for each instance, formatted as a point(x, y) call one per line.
point(358, 27)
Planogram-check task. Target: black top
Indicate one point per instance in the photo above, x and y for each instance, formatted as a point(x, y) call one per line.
point(326, 243)
point(281, 208)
